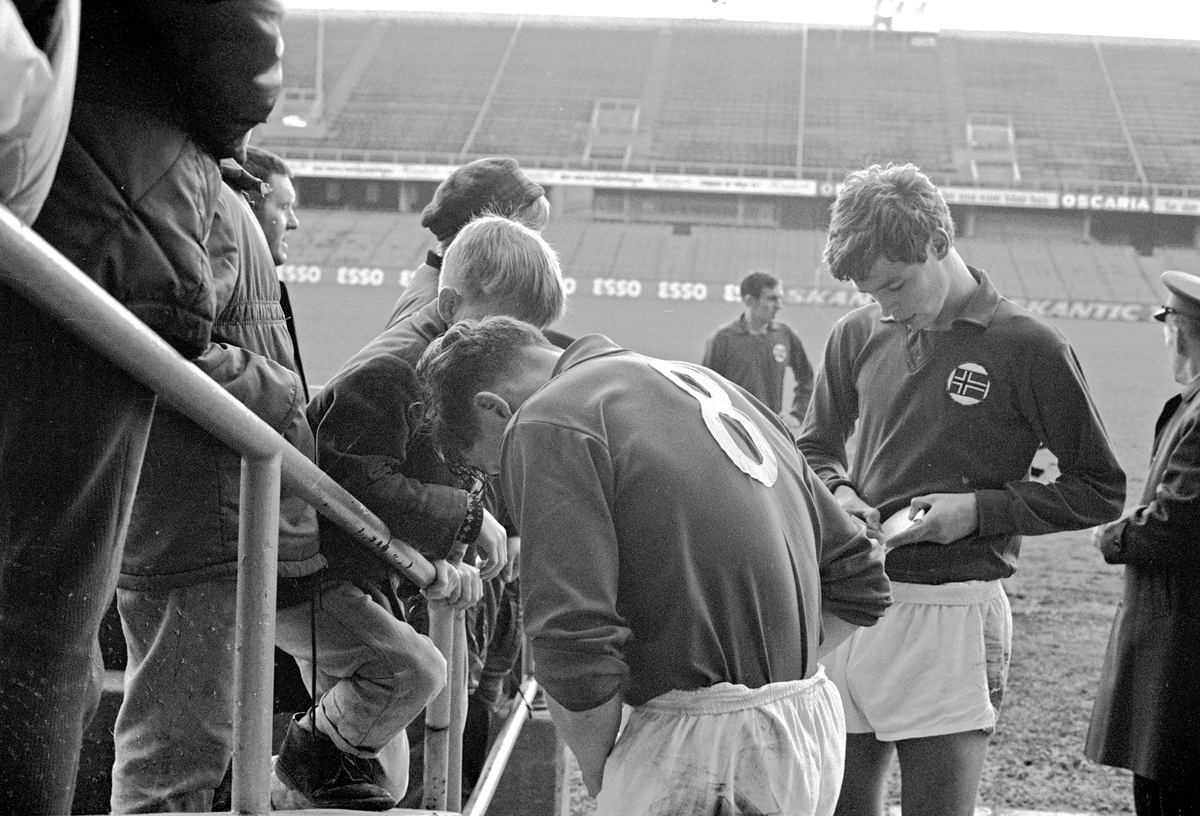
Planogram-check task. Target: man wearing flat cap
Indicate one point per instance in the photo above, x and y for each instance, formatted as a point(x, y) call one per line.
point(492, 185)
point(1147, 714)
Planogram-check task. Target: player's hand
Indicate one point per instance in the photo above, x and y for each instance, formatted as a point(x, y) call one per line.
point(446, 582)
point(470, 587)
point(492, 545)
point(848, 498)
point(1097, 537)
point(512, 570)
point(948, 517)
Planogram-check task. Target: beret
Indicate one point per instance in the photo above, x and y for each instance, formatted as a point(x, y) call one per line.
point(493, 185)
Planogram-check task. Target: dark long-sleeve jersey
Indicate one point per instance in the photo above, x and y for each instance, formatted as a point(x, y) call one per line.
point(757, 362)
point(664, 547)
point(957, 411)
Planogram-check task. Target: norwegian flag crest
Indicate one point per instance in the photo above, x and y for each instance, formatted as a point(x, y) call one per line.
point(969, 384)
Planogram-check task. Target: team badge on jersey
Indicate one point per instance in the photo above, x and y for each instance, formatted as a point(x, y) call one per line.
point(969, 384)
point(779, 353)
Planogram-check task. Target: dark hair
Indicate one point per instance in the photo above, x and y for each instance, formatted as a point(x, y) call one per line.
point(754, 283)
point(891, 211)
point(472, 356)
point(262, 164)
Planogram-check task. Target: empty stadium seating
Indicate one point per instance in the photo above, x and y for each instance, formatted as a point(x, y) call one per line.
point(543, 100)
point(1158, 88)
point(730, 94)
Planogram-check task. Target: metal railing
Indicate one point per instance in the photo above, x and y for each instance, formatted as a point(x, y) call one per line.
point(37, 272)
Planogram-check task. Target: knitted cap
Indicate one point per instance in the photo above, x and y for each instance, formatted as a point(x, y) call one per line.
point(493, 184)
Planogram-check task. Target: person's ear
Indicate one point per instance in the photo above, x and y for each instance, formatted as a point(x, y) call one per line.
point(493, 403)
point(940, 241)
point(449, 301)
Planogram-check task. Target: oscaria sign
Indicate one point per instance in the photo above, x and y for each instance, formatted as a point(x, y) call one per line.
point(1112, 203)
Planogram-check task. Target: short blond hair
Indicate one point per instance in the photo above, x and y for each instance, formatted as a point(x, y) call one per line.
point(508, 266)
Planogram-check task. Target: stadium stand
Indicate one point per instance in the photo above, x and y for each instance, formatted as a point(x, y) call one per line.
point(543, 101)
point(1158, 87)
point(730, 94)
point(872, 98)
point(1055, 93)
point(730, 97)
point(1069, 115)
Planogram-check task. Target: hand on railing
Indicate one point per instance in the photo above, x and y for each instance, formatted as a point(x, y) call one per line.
point(459, 585)
point(492, 545)
point(471, 587)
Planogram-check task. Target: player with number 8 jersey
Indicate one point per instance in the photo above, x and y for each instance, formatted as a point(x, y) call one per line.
point(679, 557)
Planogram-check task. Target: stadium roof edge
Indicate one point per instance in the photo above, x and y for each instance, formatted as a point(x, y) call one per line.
point(743, 25)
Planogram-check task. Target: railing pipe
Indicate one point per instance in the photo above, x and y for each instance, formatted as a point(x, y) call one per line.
point(437, 713)
point(506, 741)
point(254, 643)
point(458, 712)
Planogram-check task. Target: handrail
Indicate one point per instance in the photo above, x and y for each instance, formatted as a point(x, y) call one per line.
point(37, 272)
point(502, 749)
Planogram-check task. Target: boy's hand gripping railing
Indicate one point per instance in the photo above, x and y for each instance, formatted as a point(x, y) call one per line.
point(37, 272)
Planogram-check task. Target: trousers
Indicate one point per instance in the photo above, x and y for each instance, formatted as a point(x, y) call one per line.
point(174, 732)
point(73, 430)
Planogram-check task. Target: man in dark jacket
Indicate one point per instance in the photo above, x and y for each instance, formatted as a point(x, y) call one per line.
point(165, 88)
point(1147, 714)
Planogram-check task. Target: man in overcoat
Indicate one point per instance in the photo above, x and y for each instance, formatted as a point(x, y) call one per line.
point(1147, 714)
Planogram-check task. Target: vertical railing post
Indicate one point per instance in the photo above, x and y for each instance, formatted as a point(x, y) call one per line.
point(442, 620)
point(457, 680)
point(258, 554)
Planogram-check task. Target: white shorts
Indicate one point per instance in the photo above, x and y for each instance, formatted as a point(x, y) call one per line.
point(937, 662)
point(730, 749)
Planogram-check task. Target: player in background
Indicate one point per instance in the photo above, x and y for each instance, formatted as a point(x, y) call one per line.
point(702, 603)
point(754, 350)
point(953, 388)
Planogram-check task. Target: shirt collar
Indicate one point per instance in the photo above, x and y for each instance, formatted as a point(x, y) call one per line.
point(588, 347)
point(1190, 390)
point(981, 308)
point(743, 325)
